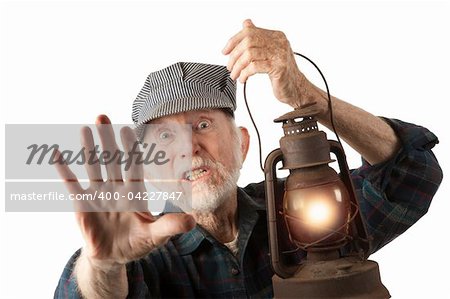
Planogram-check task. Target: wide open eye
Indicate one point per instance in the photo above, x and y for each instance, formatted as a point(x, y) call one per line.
point(160, 134)
point(165, 135)
point(203, 124)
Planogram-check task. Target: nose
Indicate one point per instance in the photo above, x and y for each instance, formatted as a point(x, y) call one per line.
point(191, 148)
point(189, 144)
point(195, 145)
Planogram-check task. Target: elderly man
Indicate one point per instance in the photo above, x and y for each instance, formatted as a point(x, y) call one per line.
point(219, 248)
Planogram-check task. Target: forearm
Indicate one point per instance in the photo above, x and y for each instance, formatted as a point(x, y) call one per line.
point(100, 281)
point(368, 134)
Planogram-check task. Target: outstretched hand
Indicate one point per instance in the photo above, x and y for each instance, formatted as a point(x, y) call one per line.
point(112, 236)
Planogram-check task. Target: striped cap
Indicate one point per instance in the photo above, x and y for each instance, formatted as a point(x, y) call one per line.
point(181, 87)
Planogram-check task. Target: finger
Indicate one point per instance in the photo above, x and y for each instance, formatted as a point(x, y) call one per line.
point(237, 38)
point(248, 24)
point(111, 153)
point(133, 171)
point(169, 225)
point(70, 179)
point(232, 42)
point(247, 56)
point(92, 164)
point(237, 52)
point(255, 67)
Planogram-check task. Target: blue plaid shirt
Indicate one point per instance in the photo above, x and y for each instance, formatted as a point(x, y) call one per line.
point(392, 195)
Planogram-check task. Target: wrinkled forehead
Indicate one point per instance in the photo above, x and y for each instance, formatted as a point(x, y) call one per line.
point(189, 117)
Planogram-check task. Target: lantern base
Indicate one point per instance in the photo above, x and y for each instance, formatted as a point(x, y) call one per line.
point(347, 277)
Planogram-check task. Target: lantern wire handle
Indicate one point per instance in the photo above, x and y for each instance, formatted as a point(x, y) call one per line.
point(256, 128)
point(330, 108)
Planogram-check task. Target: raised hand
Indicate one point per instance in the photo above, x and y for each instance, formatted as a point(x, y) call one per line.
point(256, 50)
point(115, 235)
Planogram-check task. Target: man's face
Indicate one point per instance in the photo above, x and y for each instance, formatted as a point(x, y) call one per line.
point(205, 152)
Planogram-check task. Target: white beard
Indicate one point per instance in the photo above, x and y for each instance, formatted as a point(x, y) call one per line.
point(208, 196)
point(212, 193)
point(204, 197)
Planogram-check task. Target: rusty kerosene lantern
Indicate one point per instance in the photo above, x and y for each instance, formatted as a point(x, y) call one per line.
point(318, 213)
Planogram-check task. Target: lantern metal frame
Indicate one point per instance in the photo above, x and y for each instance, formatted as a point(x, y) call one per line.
point(350, 275)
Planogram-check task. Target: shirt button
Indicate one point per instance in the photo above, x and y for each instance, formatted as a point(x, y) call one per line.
point(235, 271)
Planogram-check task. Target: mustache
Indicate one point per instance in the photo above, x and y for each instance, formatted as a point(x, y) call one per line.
point(199, 162)
point(203, 162)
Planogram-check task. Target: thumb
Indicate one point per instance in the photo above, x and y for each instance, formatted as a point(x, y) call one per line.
point(170, 225)
point(248, 23)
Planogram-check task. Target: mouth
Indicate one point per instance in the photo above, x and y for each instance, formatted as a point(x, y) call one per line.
point(195, 174)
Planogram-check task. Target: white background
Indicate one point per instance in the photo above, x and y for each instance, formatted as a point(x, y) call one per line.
point(66, 62)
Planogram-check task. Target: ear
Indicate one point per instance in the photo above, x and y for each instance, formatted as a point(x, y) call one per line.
point(245, 142)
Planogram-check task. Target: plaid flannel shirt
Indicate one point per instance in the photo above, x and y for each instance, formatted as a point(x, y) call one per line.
point(392, 195)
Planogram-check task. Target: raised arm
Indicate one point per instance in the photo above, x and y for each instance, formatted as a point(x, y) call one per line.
point(368, 134)
point(392, 195)
point(257, 50)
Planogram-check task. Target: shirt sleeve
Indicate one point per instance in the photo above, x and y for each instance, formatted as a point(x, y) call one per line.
point(138, 272)
point(394, 194)
point(67, 286)
point(137, 276)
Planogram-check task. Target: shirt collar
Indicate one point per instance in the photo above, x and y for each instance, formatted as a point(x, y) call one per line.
point(249, 203)
point(190, 241)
